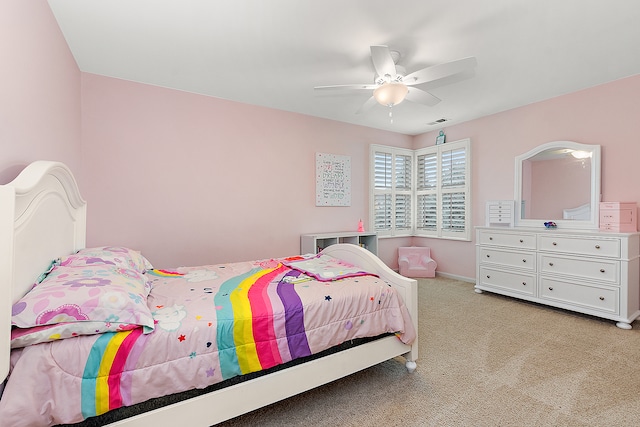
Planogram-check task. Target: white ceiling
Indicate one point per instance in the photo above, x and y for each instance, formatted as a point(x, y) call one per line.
point(273, 52)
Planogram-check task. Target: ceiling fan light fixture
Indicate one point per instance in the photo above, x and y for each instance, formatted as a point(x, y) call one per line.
point(390, 94)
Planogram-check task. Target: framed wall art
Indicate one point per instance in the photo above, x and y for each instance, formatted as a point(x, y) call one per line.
point(333, 180)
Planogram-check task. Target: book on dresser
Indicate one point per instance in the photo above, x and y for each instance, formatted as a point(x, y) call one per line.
point(592, 272)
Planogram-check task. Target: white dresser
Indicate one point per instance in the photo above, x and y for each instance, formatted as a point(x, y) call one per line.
point(591, 272)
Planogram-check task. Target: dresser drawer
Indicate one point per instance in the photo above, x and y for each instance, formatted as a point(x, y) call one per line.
point(587, 296)
point(588, 271)
point(522, 283)
point(603, 270)
point(514, 259)
point(512, 240)
point(580, 245)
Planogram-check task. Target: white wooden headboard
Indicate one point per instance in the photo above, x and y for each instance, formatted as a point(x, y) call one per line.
point(42, 217)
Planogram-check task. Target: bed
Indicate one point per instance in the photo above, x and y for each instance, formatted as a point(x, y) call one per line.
point(43, 217)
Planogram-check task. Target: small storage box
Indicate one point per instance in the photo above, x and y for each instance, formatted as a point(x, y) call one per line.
point(618, 216)
point(499, 212)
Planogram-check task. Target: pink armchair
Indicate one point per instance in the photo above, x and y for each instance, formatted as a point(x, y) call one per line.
point(416, 261)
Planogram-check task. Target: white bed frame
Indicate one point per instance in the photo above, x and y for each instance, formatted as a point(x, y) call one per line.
point(43, 217)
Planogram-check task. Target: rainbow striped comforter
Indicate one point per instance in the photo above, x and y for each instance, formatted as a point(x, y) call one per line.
point(212, 323)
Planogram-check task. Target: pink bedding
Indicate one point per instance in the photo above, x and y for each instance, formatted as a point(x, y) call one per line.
point(211, 323)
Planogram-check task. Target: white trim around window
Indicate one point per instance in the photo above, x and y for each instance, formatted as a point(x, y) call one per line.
point(424, 192)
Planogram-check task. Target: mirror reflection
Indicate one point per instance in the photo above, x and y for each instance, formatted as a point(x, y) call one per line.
point(556, 184)
point(560, 182)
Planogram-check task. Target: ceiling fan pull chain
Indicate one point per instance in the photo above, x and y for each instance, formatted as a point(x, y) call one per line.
point(391, 113)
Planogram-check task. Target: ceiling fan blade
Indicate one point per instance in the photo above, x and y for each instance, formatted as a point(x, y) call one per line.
point(347, 87)
point(440, 71)
point(382, 61)
point(370, 103)
point(421, 97)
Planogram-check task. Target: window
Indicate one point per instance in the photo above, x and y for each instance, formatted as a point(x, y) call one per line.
point(443, 191)
point(432, 199)
point(392, 179)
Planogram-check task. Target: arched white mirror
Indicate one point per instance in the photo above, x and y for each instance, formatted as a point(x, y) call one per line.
point(560, 182)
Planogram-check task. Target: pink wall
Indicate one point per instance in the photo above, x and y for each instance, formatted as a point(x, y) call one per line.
point(40, 87)
point(183, 160)
point(190, 179)
point(606, 115)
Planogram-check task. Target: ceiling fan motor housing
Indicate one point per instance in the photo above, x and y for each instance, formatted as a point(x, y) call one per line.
point(400, 73)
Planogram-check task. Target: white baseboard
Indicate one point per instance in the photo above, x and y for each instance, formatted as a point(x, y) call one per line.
point(456, 277)
point(452, 276)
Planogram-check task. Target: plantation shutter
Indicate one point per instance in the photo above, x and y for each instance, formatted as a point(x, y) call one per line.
point(427, 185)
point(453, 166)
point(453, 212)
point(423, 192)
point(427, 214)
point(443, 191)
point(392, 179)
point(453, 178)
point(383, 212)
point(383, 208)
point(382, 167)
point(427, 171)
point(403, 192)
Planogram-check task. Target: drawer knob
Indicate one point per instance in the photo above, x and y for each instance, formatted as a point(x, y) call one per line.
point(601, 298)
point(554, 244)
point(597, 246)
point(602, 270)
point(488, 277)
point(488, 256)
point(551, 264)
point(524, 283)
point(490, 238)
point(521, 241)
point(550, 288)
point(524, 260)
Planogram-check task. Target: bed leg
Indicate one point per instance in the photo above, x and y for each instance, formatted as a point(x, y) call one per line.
point(411, 366)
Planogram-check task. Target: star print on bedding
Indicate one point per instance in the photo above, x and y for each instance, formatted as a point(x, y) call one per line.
point(233, 319)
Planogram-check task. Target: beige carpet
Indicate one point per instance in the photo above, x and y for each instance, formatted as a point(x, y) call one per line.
point(485, 360)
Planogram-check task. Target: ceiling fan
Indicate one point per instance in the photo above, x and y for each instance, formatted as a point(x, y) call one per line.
point(391, 86)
